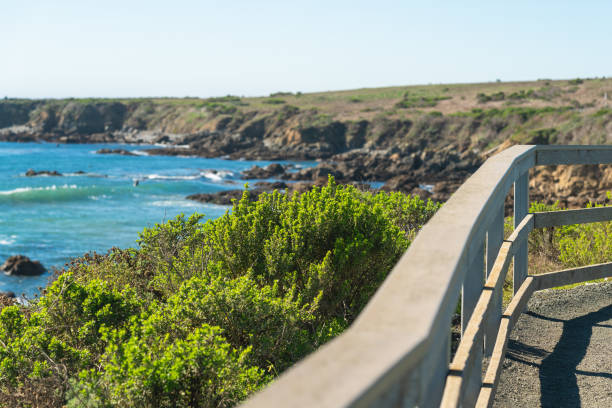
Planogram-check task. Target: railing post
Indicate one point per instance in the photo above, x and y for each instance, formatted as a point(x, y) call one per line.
point(434, 368)
point(495, 237)
point(472, 288)
point(521, 206)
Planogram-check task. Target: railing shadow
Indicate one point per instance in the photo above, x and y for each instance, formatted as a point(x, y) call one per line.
point(558, 370)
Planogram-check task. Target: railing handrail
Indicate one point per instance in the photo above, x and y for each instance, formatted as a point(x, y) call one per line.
point(397, 351)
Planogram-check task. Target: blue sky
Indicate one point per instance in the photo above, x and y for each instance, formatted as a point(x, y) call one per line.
point(126, 48)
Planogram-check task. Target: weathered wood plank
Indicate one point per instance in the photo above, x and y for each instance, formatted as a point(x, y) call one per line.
point(521, 233)
point(468, 358)
point(495, 237)
point(546, 155)
point(491, 379)
point(472, 285)
point(568, 217)
point(471, 292)
point(509, 319)
point(521, 206)
point(571, 276)
point(434, 369)
point(457, 382)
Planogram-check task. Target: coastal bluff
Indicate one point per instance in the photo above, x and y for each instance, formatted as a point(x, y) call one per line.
point(427, 139)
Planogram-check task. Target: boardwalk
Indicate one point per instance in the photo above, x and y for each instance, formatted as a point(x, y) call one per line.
point(560, 352)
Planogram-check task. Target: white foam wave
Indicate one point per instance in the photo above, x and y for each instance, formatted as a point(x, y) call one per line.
point(96, 198)
point(84, 175)
point(140, 152)
point(26, 189)
point(162, 177)
point(217, 175)
point(4, 240)
point(175, 203)
point(213, 175)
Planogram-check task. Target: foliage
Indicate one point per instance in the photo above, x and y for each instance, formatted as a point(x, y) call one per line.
point(484, 98)
point(203, 314)
point(419, 101)
point(523, 113)
point(274, 101)
point(572, 245)
point(586, 244)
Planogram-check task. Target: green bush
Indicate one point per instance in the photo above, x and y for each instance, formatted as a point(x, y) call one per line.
point(586, 244)
point(274, 101)
point(418, 101)
point(484, 98)
point(572, 245)
point(203, 314)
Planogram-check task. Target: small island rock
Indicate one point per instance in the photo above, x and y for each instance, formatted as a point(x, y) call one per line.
point(23, 266)
point(122, 152)
point(34, 173)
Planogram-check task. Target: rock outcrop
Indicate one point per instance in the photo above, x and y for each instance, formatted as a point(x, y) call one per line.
point(572, 186)
point(270, 171)
point(23, 266)
point(34, 173)
point(409, 151)
point(122, 152)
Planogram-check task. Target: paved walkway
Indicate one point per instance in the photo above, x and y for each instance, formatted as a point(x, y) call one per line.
point(560, 352)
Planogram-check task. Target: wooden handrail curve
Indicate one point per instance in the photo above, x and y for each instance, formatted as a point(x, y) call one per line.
point(396, 354)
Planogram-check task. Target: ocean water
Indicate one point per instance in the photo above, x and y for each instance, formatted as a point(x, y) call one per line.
point(53, 219)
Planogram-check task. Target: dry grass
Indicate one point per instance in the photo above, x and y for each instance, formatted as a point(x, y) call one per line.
point(367, 103)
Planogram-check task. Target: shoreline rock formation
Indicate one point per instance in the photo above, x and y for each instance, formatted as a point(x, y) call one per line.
point(22, 265)
point(411, 147)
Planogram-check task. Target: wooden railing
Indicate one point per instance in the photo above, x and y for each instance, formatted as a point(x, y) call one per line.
point(396, 354)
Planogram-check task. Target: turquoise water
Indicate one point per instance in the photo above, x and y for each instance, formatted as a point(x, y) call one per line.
point(53, 219)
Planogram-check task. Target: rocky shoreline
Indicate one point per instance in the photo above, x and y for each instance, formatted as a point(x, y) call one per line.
point(430, 156)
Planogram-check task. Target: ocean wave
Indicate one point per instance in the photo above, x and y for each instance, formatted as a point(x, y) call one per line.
point(140, 152)
point(213, 175)
point(20, 190)
point(175, 203)
point(4, 240)
point(162, 177)
point(85, 175)
point(217, 175)
point(54, 193)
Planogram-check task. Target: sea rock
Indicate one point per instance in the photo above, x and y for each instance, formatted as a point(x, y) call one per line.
point(22, 265)
point(122, 152)
point(315, 173)
point(403, 183)
point(226, 197)
point(7, 294)
point(34, 173)
point(271, 185)
point(270, 171)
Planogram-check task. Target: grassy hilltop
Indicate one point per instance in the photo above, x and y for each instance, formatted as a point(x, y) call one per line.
point(404, 137)
point(562, 110)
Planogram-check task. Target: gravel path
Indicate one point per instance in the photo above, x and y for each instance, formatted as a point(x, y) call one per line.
point(560, 352)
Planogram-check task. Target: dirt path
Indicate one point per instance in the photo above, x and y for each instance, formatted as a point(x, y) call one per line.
point(560, 352)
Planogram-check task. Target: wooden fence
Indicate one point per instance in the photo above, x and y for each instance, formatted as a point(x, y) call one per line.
point(397, 352)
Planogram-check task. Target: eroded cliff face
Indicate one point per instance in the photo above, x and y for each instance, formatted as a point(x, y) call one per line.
point(408, 154)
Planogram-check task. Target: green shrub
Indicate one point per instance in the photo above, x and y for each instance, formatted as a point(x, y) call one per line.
point(418, 101)
point(586, 244)
point(150, 370)
point(274, 101)
point(484, 98)
point(204, 314)
point(572, 245)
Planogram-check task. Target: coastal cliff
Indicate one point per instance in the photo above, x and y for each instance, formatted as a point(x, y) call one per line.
point(406, 137)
